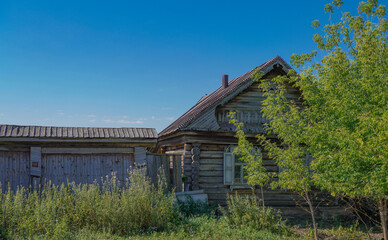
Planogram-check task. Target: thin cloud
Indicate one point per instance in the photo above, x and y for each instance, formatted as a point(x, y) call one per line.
point(170, 118)
point(60, 112)
point(122, 121)
point(129, 122)
point(92, 121)
point(92, 116)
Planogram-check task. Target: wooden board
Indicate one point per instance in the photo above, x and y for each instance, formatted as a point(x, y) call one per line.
point(82, 168)
point(14, 169)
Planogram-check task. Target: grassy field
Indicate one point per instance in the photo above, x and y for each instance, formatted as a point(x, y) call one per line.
point(205, 228)
point(138, 210)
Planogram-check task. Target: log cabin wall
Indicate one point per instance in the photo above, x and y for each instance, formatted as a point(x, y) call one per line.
point(211, 179)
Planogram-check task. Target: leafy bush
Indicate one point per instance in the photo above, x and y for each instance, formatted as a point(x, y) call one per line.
point(248, 211)
point(113, 207)
point(190, 208)
point(3, 233)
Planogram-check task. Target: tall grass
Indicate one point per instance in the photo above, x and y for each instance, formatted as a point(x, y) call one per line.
point(118, 208)
point(247, 211)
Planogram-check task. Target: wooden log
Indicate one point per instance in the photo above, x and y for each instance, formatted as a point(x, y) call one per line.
point(209, 167)
point(210, 179)
point(211, 174)
point(213, 147)
point(211, 161)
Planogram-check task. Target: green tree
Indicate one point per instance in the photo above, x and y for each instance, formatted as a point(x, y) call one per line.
point(287, 123)
point(343, 118)
point(257, 173)
point(289, 150)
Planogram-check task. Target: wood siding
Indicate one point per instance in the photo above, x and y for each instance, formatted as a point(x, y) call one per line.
point(14, 169)
point(247, 106)
point(85, 168)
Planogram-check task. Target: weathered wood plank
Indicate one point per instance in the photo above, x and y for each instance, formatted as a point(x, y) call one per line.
point(210, 167)
point(214, 156)
point(211, 173)
point(86, 150)
point(211, 179)
point(210, 161)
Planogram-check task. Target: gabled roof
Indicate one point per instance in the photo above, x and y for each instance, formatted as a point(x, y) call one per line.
point(15, 131)
point(217, 96)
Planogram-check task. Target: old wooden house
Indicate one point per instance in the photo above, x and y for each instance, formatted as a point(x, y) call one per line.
point(205, 139)
point(33, 154)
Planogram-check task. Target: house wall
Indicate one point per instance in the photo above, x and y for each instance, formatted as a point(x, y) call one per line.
point(211, 178)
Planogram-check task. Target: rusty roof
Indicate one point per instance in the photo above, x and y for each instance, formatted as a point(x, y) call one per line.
point(16, 131)
point(213, 98)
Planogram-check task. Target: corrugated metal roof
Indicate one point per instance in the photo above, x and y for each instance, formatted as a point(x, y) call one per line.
point(209, 100)
point(13, 131)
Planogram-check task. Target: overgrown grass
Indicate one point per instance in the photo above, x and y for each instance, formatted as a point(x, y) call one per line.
point(139, 210)
point(55, 211)
point(191, 208)
point(248, 211)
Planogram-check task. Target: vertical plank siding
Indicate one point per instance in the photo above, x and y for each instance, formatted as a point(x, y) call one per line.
point(14, 169)
point(85, 168)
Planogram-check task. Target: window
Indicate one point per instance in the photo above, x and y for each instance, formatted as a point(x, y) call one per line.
point(234, 172)
point(239, 173)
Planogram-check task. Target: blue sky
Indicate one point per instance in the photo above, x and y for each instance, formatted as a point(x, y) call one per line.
point(136, 63)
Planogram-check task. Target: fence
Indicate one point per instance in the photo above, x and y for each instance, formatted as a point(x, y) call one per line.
point(17, 167)
point(168, 165)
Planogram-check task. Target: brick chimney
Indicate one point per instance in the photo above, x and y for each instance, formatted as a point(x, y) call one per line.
point(225, 82)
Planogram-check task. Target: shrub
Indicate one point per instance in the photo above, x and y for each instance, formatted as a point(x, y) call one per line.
point(190, 208)
point(249, 212)
point(133, 206)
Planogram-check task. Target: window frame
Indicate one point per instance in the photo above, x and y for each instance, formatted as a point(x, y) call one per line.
point(229, 152)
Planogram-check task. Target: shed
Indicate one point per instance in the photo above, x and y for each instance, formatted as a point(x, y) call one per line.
point(33, 154)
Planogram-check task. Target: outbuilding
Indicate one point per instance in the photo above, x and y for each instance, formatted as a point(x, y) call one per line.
point(30, 155)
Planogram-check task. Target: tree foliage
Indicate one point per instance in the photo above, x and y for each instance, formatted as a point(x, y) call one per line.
point(342, 116)
point(257, 173)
